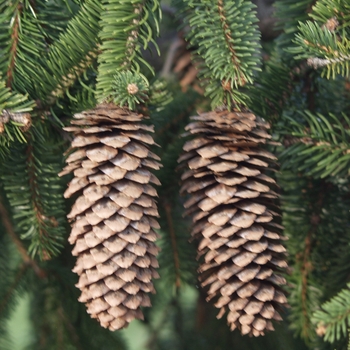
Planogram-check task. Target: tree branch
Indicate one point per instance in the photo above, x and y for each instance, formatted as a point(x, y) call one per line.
point(306, 266)
point(37, 206)
point(21, 249)
point(13, 50)
point(70, 327)
point(68, 80)
point(228, 39)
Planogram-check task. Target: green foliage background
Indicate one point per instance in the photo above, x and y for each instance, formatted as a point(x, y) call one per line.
point(60, 57)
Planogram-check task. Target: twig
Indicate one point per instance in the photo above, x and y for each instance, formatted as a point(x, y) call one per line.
point(23, 252)
point(70, 78)
point(170, 57)
point(306, 266)
point(13, 50)
point(201, 311)
point(134, 34)
point(316, 62)
point(22, 118)
point(70, 327)
point(37, 206)
point(229, 41)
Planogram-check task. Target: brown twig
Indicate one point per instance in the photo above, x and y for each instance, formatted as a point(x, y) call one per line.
point(306, 266)
point(69, 79)
point(133, 36)
point(70, 327)
point(37, 206)
point(228, 39)
point(23, 252)
point(13, 50)
point(170, 57)
point(22, 118)
point(201, 311)
point(169, 218)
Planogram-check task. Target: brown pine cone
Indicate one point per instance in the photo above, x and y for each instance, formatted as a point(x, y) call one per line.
point(113, 218)
point(235, 217)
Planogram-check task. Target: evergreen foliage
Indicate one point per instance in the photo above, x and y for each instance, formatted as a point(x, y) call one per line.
point(12, 104)
point(289, 14)
point(177, 257)
point(325, 42)
point(129, 94)
point(61, 57)
point(226, 38)
point(71, 54)
point(34, 192)
point(323, 151)
point(126, 28)
point(333, 319)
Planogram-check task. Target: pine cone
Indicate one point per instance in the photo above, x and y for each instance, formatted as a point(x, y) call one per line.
point(233, 204)
point(113, 219)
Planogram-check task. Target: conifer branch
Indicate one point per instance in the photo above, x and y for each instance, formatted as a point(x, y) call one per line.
point(333, 318)
point(323, 47)
point(289, 13)
point(71, 54)
point(46, 203)
point(131, 42)
point(14, 119)
point(317, 62)
point(34, 190)
point(229, 43)
point(272, 89)
point(227, 55)
point(70, 78)
point(14, 44)
point(304, 260)
point(126, 28)
point(318, 152)
point(21, 118)
point(53, 59)
point(17, 242)
point(37, 207)
point(70, 327)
